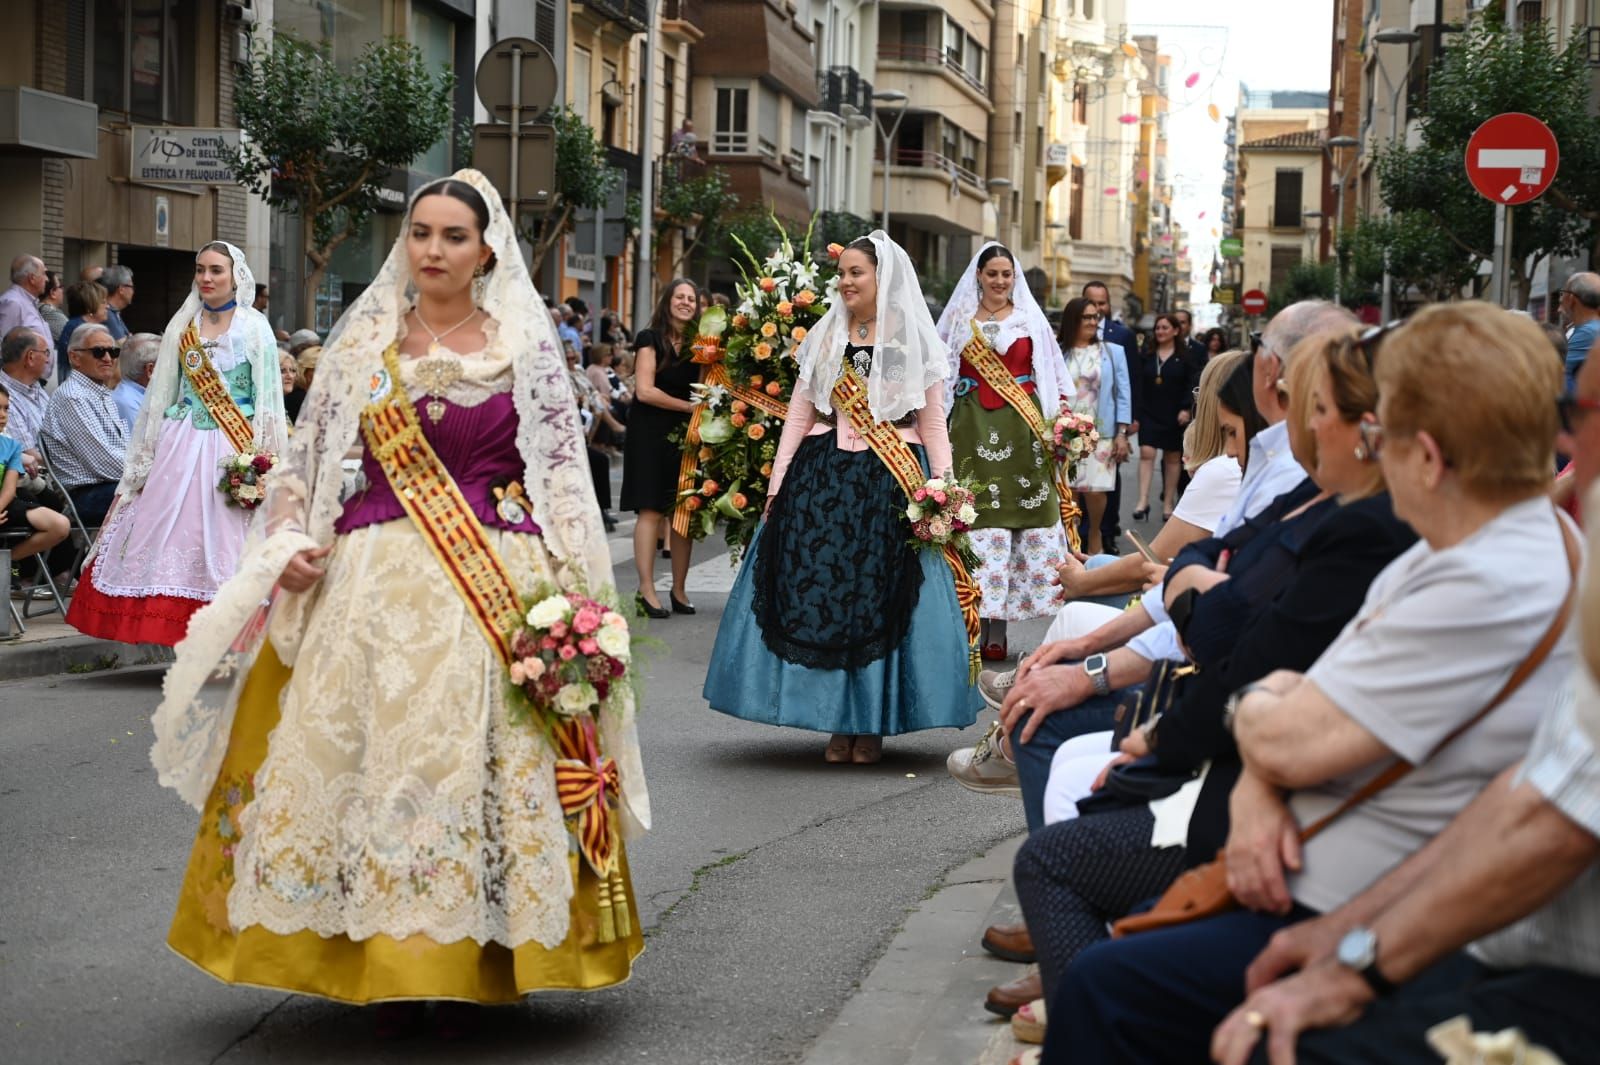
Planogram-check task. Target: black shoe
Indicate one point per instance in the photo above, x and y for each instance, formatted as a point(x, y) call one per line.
point(610, 522)
point(646, 610)
point(680, 607)
point(1140, 515)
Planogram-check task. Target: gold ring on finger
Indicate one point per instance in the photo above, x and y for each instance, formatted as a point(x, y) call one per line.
point(1256, 1019)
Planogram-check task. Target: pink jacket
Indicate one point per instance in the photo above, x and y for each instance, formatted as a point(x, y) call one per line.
point(930, 431)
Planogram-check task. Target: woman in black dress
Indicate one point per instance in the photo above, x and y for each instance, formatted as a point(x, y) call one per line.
point(650, 461)
point(1165, 404)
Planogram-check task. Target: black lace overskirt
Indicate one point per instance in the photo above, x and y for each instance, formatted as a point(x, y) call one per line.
point(835, 579)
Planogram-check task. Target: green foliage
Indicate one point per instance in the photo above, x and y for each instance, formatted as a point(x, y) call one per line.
point(584, 180)
point(698, 208)
point(838, 227)
point(1304, 281)
point(1489, 70)
point(320, 141)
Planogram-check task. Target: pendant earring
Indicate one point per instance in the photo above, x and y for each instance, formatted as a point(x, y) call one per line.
point(479, 283)
point(1361, 453)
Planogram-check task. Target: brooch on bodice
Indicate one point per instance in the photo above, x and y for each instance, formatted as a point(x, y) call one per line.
point(435, 376)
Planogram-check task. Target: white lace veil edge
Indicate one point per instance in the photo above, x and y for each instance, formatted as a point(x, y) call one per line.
point(269, 420)
point(909, 356)
point(1050, 376)
point(304, 500)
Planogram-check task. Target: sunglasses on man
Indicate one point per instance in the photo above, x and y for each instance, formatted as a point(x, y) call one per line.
point(99, 353)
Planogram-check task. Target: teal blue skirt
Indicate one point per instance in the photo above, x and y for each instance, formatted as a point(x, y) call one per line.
point(847, 593)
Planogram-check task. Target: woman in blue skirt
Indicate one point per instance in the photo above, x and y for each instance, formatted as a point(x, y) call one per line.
point(855, 632)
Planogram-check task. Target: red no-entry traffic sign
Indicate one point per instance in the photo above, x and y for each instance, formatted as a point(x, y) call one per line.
point(1254, 302)
point(1512, 158)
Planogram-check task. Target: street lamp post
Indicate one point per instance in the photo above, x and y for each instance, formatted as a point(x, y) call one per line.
point(1343, 175)
point(1312, 216)
point(997, 188)
point(644, 269)
point(890, 96)
point(1408, 38)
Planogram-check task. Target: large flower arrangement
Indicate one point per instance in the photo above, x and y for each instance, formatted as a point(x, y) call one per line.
point(732, 438)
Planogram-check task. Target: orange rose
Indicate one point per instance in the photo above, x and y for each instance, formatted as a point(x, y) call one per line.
point(740, 500)
point(798, 332)
point(740, 321)
point(709, 488)
point(706, 454)
point(756, 431)
point(835, 250)
point(774, 388)
point(785, 309)
point(806, 298)
point(769, 329)
point(768, 284)
point(692, 503)
point(740, 406)
point(766, 469)
point(755, 381)
point(738, 421)
point(763, 351)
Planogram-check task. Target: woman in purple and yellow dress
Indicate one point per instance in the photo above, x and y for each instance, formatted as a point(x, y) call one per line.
point(375, 828)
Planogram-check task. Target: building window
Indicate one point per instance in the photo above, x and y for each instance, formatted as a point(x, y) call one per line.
point(581, 86)
point(435, 36)
point(732, 133)
point(669, 94)
point(1287, 199)
point(767, 122)
point(819, 45)
point(969, 154)
point(144, 59)
point(1284, 259)
point(345, 28)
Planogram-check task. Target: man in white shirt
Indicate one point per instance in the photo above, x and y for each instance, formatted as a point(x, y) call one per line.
point(19, 304)
point(138, 360)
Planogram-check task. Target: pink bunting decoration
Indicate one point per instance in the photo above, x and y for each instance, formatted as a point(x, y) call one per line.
point(1127, 120)
point(1192, 80)
point(1202, 214)
point(1112, 191)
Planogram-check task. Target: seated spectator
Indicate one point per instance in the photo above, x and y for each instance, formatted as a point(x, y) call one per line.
point(25, 359)
point(50, 305)
point(1279, 613)
point(307, 361)
point(83, 428)
point(45, 527)
point(289, 376)
point(86, 303)
point(1539, 884)
point(138, 361)
point(1441, 630)
point(602, 373)
point(596, 417)
point(118, 283)
point(301, 339)
point(19, 304)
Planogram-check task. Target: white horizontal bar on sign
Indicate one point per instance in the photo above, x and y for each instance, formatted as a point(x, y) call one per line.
point(1511, 158)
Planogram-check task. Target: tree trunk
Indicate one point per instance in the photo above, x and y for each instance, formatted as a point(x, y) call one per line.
point(313, 278)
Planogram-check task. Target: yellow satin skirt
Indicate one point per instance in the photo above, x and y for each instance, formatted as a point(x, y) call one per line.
point(378, 968)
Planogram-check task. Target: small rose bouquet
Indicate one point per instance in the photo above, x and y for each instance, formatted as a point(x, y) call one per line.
point(941, 513)
point(566, 657)
point(1075, 437)
point(243, 477)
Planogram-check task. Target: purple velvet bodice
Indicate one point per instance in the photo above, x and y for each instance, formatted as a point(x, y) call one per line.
point(477, 444)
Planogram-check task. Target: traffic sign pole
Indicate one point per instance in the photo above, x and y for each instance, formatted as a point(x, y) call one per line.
point(1511, 159)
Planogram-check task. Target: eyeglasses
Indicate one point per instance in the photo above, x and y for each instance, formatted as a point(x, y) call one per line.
point(1091, 317)
point(1372, 338)
point(37, 351)
point(1574, 411)
point(99, 353)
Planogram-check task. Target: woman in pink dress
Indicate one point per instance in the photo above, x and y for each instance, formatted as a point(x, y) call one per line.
point(173, 537)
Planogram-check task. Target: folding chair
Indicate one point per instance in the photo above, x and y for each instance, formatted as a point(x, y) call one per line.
point(81, 534)
point(31, 606)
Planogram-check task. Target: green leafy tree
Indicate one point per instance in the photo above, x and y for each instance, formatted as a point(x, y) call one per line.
point(1304, 281)
point(697, 207)
point(320, 141)
point(1487, 71)
point(584, 180)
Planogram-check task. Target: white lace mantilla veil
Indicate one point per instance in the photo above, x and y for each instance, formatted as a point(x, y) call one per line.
point(909, 356)
point(1050, 376)
point(303, 500)
point(270, 422)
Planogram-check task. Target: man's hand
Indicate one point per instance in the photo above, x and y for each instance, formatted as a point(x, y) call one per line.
point(1047, 654)
point(1325, 996)
point(1119, 449)
point(1043, 693)
point(1154, 574)
point(1263, 842)
point(1300, 946)
point(1198, 577)
point(31, 463)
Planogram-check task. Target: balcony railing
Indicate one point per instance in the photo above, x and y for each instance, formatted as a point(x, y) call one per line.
point(689, 11)
point(634, 14)
point(931, 56)
point(677, 169)
point(838, 87)
point(943, 164)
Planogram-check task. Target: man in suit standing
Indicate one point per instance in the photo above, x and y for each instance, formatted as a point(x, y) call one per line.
point(1114, 332)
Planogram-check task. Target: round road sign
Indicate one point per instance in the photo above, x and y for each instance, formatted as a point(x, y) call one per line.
point(1512, 158)
point(539, 78)
point(1254, 302)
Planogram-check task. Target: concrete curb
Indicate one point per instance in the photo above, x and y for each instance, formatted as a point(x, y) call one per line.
point(923, 1001)
point(75, 654)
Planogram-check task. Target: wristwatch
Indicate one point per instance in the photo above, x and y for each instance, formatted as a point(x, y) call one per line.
point(1358, 950)
point(1230, 705)
point(1095, 666)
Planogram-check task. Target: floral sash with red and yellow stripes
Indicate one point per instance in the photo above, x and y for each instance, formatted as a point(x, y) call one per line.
point(983, 358)
point(587, 783)
point(850, 397)
point(209, 386)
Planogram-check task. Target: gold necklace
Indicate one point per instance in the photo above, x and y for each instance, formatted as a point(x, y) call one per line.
point(861, 330)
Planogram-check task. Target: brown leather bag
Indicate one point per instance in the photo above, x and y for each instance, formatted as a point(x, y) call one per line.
point(1203, 891)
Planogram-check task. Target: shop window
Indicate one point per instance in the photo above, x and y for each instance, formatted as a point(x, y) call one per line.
point(143, 59)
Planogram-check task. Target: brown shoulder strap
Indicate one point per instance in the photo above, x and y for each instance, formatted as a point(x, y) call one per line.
point(1535, 659)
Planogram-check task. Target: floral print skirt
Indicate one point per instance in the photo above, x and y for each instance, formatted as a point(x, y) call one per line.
point(1015, 569)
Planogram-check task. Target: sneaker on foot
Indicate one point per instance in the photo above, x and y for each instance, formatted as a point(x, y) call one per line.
point(994, 684)
point(984, 768)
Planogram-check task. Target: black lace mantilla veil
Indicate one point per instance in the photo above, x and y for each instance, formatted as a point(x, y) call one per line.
point(836, 579)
